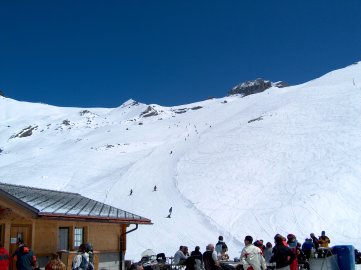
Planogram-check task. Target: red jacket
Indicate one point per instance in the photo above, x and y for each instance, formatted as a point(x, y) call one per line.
point(4, 259)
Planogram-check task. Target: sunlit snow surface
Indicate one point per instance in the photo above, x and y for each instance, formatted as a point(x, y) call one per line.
point(283, 161)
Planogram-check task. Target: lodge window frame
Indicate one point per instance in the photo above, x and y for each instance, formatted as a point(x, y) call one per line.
point(78, 238)
point(73, 236)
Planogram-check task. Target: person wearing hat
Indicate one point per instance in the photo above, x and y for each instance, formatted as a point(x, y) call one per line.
point(282, 255)
point(251, 256)
point(324, 240)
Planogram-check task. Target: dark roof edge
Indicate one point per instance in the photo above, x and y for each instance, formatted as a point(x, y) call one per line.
point(19, 202)
point(97, 218)
point(44, 189)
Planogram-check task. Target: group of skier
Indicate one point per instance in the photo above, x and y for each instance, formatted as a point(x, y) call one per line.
point(155, 189)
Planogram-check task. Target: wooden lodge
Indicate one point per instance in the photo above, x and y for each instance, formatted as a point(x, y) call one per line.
point(54, 221)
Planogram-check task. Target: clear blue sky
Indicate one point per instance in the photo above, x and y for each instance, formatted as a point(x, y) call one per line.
point(170, 52)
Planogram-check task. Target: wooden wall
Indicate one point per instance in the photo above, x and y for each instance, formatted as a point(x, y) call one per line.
point(43, 234)
point(103, 236)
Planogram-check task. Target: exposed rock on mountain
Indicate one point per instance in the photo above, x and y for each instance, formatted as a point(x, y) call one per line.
point(280, 84)
point(149, 112)
point(251, 87)
point(26, 132)
point(257, 86)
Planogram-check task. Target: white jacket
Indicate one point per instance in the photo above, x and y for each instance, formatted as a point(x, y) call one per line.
point(252, 256)
point(78, 259)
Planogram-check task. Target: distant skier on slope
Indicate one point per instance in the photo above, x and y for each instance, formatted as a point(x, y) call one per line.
point(170, 212)
point(155, 188)
point(131, 192)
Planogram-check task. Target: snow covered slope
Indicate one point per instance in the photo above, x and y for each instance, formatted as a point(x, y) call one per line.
point(282, 161)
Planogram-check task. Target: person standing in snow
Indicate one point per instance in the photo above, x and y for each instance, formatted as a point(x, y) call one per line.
point(324, 240)
point(197, 253)
point(251, 256)
point(315, 242)
point(210, 259)
point(307, 248)
point(282, 255)
point(268, 253)
point(221, 247)
point(301, 258)
point(292, 244)
point(198, 258)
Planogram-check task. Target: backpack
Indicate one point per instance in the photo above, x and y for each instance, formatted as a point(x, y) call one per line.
point(84, 264)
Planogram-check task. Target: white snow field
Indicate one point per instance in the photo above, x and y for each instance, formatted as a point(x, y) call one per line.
point(282, 161)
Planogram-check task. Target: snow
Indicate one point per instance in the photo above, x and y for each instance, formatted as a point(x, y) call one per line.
point(282, 161)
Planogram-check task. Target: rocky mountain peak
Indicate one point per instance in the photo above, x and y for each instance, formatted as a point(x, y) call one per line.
point(252, 87)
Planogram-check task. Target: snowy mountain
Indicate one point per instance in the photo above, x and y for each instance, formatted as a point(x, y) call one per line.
point(286, 160)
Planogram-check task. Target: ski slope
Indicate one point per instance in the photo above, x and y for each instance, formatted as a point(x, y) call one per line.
point(287, 160)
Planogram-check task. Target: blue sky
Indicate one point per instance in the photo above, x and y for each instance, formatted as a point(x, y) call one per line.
point(101, 53)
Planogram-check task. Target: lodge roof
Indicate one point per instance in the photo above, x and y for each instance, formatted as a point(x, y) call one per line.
point(66, 205)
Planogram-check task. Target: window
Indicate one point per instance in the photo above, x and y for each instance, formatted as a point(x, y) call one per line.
point(78, 236)
point(63, 243)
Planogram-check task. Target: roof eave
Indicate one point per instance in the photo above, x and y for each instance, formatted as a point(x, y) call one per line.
point(96, 219)
point(19, 202)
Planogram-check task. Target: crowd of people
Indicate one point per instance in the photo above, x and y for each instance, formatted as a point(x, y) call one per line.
point(25, 259)
point(287, 253)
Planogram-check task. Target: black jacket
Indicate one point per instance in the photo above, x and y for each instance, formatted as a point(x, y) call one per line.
point(197, 255)
point(282, 256)
point(209, 263)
